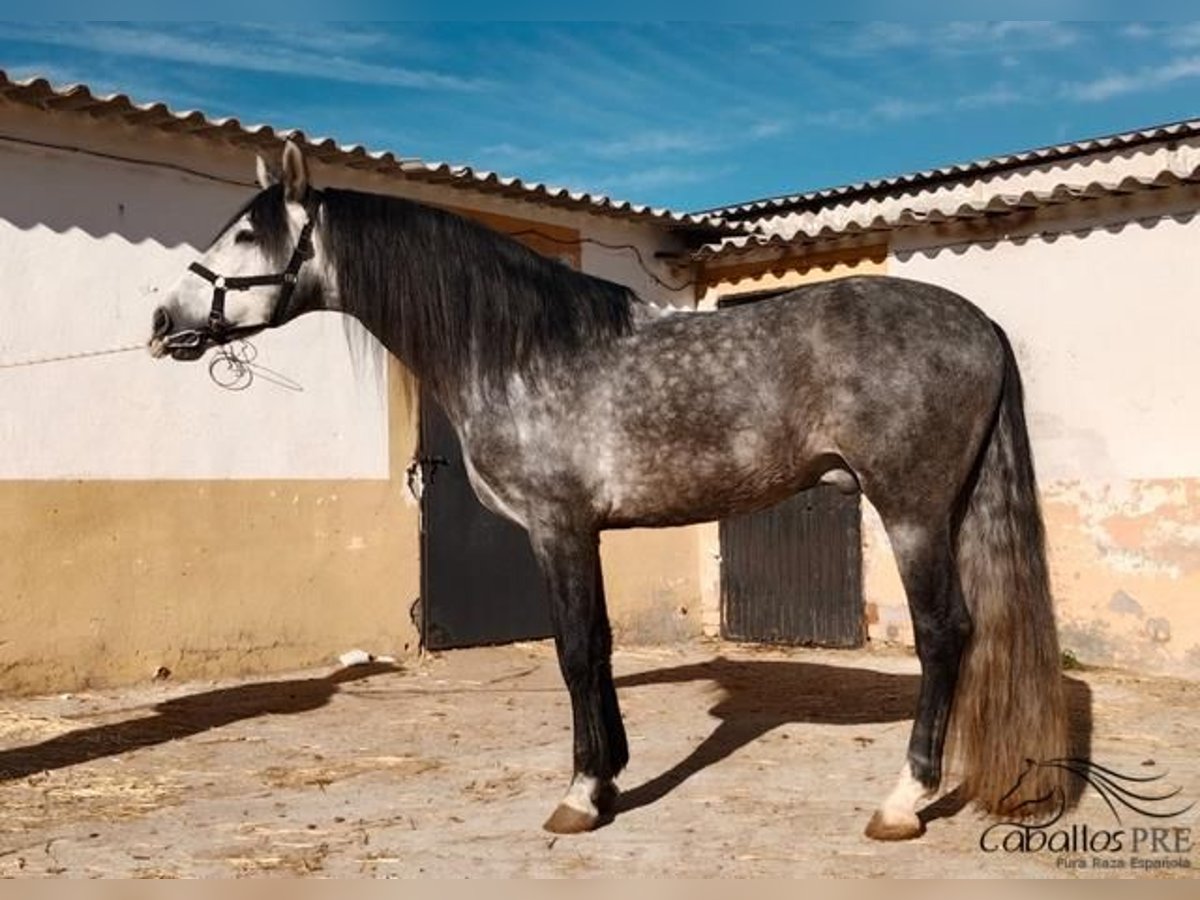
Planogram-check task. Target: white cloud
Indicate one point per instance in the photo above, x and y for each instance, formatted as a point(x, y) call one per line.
point(254, 52)
point(1145, 79)
point(504, 155)
point(878, 37)
point(954, 38)
point(105, 81)
point(1182, 34)
point(999, 95)
point(653, 142)
point(1031, 35)
point(1137, 31)
point(659, 176)
point(769, 128)
point(900, 109)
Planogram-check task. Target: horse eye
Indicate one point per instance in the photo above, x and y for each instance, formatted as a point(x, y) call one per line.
point(244, 237)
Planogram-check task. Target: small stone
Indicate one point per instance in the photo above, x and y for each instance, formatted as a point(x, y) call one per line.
point(355, 658)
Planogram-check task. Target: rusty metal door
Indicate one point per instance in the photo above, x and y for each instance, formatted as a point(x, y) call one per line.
point(479, 581)
point(792, 573)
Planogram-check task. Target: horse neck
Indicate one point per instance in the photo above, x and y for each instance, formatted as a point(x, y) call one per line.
point(461, 307)
point(456, 397)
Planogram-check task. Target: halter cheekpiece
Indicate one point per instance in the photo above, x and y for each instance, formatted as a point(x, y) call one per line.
point(218, 329)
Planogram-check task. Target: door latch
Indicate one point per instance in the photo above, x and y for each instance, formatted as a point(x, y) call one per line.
point(421, 473)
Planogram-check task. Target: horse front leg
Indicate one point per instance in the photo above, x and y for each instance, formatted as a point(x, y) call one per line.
point(570, 562)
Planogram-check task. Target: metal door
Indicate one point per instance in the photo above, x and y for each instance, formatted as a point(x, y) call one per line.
point(479, 581)
point(792, 573)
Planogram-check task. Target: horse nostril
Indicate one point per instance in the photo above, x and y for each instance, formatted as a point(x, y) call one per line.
point(162, 322)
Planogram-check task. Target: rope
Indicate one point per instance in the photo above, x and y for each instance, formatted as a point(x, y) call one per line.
point(65, 357)
point(232, 368)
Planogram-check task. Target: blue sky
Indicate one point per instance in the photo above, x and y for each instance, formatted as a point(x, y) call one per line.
point(687, 116)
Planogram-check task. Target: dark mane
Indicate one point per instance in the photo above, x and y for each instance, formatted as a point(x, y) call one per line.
point(455, 300)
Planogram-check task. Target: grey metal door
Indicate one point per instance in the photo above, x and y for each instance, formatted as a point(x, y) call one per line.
point(792, 573)
point(479, 581)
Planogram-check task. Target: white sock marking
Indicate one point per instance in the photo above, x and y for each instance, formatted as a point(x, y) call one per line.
point(581, 795)
point(901, 803)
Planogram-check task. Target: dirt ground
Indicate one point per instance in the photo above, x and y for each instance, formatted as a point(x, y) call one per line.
point(745, 762)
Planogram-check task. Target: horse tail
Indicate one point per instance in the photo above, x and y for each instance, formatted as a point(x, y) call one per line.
point(1009, 708)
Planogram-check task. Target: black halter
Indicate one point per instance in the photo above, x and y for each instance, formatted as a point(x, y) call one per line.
point(218, 329)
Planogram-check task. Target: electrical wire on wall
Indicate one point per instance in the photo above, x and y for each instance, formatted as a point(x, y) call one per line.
point(220, 179)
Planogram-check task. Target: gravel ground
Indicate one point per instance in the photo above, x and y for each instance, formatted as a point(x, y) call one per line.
point(745, 762)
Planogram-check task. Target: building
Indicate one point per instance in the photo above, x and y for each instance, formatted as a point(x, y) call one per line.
point(1083, 252)
point(154, 521)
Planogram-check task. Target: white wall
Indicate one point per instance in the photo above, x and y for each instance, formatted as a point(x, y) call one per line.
point(1104, 319)
point(610, 254)
point(87, 245)
point(1104, 325)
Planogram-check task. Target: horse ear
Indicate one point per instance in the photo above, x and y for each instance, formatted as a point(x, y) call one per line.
point(295, 174)
point(265, 174)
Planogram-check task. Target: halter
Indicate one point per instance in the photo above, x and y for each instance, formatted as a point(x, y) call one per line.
point(219, 330)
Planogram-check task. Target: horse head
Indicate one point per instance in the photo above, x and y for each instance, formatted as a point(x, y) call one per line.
point(263, 269)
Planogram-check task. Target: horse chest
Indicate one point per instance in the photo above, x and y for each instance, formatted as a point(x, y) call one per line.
point(490, 496)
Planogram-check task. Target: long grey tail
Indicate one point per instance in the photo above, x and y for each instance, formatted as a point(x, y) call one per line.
point(1009, 706)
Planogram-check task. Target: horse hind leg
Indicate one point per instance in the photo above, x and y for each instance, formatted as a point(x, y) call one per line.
point(941, 625)
point(571, 566)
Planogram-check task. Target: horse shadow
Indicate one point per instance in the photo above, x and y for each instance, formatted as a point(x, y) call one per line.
point(762, 695)
point(182, 717)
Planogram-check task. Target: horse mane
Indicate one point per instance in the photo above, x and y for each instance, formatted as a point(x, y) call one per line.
point(269, 220)
point(457, 301)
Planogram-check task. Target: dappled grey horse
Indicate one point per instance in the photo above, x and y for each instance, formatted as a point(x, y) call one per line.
point(580, 408)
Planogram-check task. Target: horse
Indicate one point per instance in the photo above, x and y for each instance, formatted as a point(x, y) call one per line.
point(581, 407)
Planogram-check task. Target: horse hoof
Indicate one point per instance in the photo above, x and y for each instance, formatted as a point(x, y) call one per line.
point(568, 820)
point(880, 829)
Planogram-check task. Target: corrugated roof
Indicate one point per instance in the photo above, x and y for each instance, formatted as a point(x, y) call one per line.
point(78, 98)
point(772, 206)
point(847, 226)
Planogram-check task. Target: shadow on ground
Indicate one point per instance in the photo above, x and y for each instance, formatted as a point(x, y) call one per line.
point(757, 697)
point(761, 695)
point(182, 717)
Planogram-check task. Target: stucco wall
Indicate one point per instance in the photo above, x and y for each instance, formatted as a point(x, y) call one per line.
point(1104, 324)
point(151, 519)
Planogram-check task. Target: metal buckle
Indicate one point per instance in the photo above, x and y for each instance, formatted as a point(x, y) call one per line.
point(191, 339)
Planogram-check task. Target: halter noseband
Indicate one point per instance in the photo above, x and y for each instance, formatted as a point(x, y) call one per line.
point(218, 329)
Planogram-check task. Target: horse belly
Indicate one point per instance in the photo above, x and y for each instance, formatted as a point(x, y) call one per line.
point(681, 484)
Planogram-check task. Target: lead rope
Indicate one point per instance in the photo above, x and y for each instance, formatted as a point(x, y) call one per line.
point(233, 368)
point(65, 357)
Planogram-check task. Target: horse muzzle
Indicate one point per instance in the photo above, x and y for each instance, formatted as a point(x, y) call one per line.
point(187, 344)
